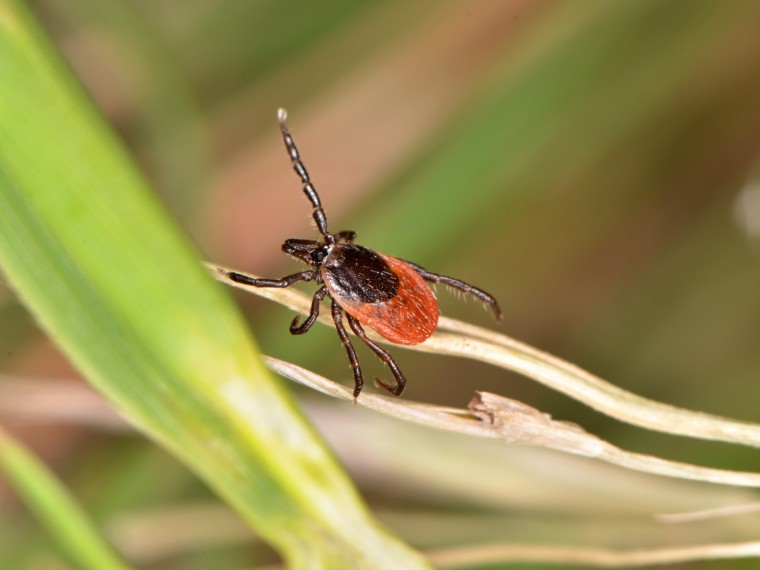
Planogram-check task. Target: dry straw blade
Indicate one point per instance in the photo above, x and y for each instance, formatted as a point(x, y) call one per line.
point(515, 422)
point(589, 557)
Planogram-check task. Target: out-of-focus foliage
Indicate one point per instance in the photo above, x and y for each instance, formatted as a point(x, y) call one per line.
point(592, 164)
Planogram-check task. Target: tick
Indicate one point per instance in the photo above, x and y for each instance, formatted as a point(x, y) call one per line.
point(373, 289)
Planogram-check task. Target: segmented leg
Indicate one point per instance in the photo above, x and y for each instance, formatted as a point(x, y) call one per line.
point(284, 282)
point(347, 236)
point(337, 314)
point(383, 355)
point(294, 246)
point(462, 286)
point(295, 328)
point(311, 193)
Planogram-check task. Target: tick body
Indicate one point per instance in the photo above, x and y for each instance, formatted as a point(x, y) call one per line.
point(368, 288)
point(381, 292)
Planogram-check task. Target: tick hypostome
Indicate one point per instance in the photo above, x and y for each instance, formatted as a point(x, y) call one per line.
point(385, 293)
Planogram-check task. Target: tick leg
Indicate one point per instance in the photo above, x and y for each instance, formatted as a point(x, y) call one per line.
point(295, 328)
point(300, 248)
point(284, 282)
point(337, 314)
point(462, 286)
point(383, 355)
point(347, 236)
point(311, 193)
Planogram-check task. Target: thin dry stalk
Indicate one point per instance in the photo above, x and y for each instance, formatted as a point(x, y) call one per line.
point(480, 344)
point(588, 557)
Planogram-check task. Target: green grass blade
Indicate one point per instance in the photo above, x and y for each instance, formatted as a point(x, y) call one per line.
point(94, 257)
point(45, 495)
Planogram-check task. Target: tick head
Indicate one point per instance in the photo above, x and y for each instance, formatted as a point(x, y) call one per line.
point(319, 254)
point(309, 251)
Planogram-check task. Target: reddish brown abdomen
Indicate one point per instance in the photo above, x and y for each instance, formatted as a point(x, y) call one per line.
point(408, 318)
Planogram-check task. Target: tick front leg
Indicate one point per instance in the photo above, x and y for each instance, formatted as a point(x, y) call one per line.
point(461, 286)
point(337, 314)
point(383, 355)
point(284, 282)
point(295, 328)
point(347, 236)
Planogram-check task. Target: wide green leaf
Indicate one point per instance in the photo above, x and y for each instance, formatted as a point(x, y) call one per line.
point(93, 255)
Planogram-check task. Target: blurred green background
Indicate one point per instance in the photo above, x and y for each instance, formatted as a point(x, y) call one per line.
point(594, 165)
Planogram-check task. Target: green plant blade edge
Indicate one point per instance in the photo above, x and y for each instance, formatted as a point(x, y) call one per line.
point(94, 257)
point(62, 515)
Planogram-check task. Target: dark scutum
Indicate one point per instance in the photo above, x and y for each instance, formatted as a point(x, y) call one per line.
point(359, 274)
